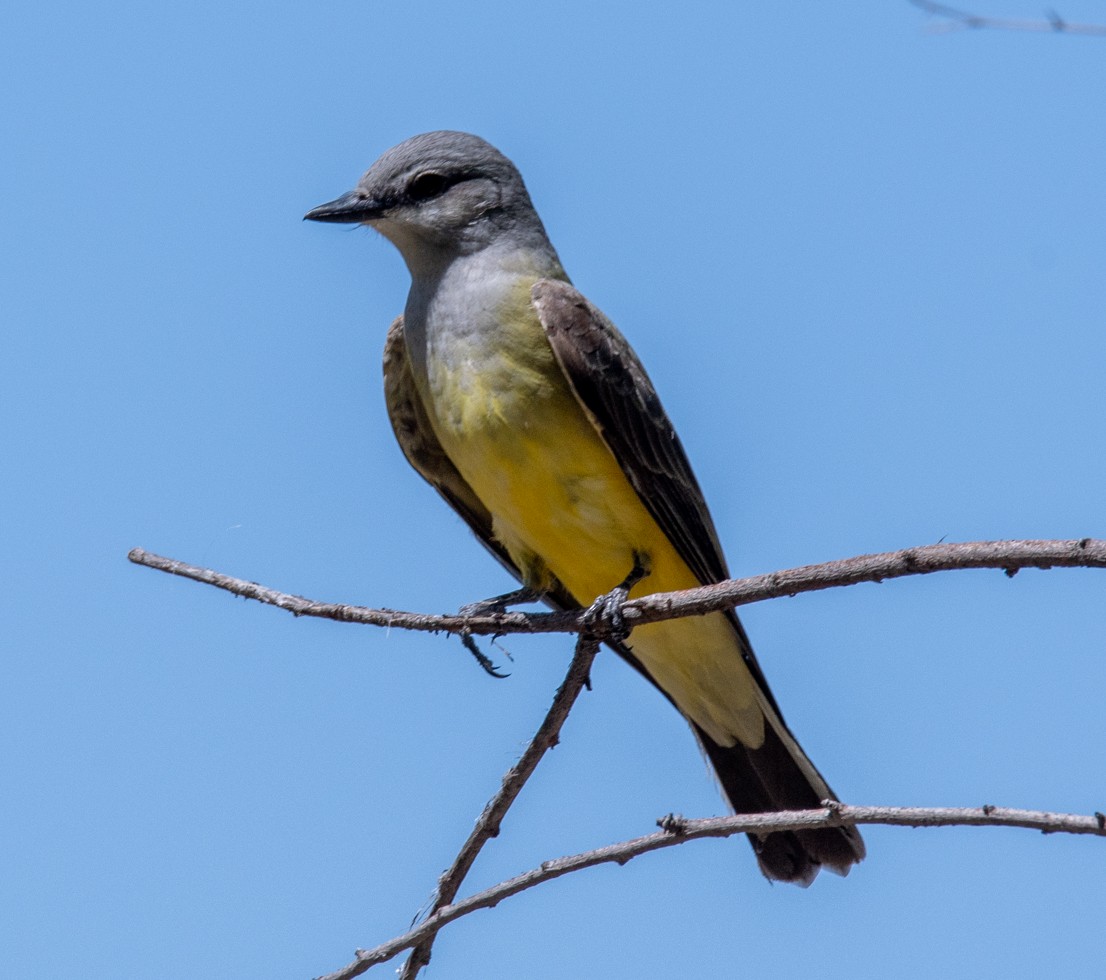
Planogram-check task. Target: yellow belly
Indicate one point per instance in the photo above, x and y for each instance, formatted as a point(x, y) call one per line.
point(562, 506)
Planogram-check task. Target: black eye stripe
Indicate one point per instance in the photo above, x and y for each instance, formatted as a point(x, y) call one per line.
point(428, 185)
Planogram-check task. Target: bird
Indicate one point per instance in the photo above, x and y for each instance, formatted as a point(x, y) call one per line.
point(532, 416)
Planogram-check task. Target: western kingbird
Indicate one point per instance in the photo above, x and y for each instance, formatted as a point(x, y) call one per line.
point(527, 410)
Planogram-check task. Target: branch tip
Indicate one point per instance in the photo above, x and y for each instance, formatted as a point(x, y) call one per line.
point(955, 17)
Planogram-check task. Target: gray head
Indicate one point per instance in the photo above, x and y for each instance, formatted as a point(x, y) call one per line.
point(440, 195)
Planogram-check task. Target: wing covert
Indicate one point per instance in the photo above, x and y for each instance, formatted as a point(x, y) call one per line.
point(613, 388)
point(424, 452)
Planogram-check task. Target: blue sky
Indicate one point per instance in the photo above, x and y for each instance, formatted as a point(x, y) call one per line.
point(864, 264)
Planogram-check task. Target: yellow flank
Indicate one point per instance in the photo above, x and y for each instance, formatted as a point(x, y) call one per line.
point(506, 416)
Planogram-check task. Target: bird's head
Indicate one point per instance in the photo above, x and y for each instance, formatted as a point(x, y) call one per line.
point(443, 193)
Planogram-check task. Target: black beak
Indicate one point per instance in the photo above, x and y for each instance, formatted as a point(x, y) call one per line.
point(349, 209)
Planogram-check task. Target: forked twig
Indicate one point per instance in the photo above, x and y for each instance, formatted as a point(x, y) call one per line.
point(487, 826)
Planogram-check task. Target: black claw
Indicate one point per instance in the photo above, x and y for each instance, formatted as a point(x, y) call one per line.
point(481, 658)
point(497, 604)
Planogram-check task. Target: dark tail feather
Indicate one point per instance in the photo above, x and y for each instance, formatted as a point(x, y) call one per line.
point(771, 778)
point(776, 776)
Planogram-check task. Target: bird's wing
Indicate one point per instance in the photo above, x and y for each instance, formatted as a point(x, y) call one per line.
point(613, 388)
point(424, 452)
point(611, 385)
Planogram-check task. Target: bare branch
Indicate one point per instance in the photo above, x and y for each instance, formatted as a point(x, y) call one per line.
point(677, 831)
point(956, 19)
point(1006, 555)
point(487, 826)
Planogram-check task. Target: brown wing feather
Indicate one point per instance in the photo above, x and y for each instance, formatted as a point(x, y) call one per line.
point(612, 386)
point(420, 445)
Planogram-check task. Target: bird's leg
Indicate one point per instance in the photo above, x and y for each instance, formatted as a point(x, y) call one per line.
point(496, 604)
point(501, 603)
point(604, 616)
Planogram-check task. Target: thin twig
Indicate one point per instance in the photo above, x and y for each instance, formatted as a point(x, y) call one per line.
point(678, 830)
point(1006, 555)
point(487, 826)
point(1053, 23)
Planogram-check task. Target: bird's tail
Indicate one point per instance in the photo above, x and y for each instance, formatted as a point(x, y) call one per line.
point(779, 776)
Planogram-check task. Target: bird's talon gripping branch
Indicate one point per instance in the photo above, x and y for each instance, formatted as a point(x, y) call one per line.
point(604, 618)
point(672, 823)
point(500, 603)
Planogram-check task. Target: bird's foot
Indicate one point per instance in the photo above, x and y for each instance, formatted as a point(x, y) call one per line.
point(500, 603)
point(482, 658)
point(496, 604)
point(604, 618)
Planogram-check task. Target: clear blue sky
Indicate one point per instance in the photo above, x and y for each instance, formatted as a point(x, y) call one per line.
point(864, 264)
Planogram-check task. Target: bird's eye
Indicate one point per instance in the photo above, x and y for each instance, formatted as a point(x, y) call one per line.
point(426, 186)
